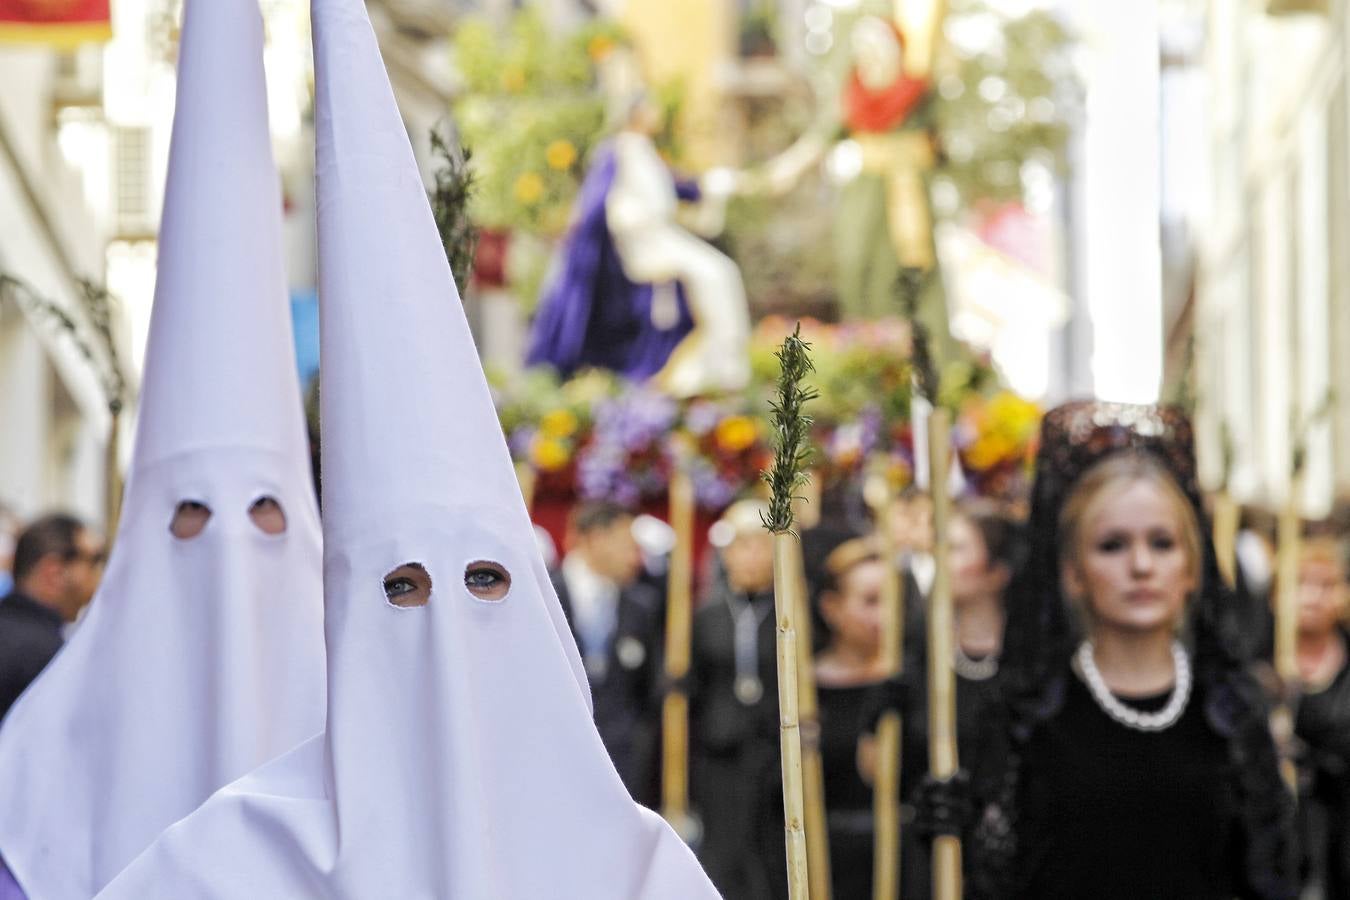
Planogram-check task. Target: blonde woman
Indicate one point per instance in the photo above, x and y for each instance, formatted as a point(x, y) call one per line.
point(1132, 757)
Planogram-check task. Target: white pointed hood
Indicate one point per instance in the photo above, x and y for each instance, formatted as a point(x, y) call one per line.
point(460, 759)
point(199, 658)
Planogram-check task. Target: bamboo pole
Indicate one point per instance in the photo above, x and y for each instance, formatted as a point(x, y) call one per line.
point(112, 483)
point(1225, 535)
point(813, 771)
point(786, 477)
point(942, 751)
point(679, 631)
point(786, 603)
point(886, 784)
point(1286, 574)
point(528, 479)
point(1286, 622)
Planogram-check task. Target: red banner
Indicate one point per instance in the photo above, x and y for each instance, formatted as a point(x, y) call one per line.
point(61, 23)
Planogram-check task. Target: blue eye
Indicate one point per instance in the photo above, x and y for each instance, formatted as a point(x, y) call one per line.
point(482, 578)
point(487, 580)
point(396, 587)
point(407, 586)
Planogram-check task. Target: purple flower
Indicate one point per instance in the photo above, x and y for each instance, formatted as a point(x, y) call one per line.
point(711, 490)
point(702, 417)
point(520, 440)
point(635, 420)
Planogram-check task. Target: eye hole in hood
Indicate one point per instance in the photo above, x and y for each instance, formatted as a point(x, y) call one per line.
point(487, 580)
point(189, 518)
point(408, 586)
point(266, 513)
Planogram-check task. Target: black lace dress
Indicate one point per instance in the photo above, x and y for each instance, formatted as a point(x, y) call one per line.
point(1074, 804)
point(848, 799)
point(1108, 811)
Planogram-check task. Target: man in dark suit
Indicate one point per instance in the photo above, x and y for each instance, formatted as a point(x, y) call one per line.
point(617, 622)
point(57, 563)
point(735, 778)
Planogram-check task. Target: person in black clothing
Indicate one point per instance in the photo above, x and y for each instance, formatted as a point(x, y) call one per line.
point(1130, 753)
point(1322, 721)
point(617, 623)
point(846, 670)
point(735, 778)
point(57, 562)
point(983, 550)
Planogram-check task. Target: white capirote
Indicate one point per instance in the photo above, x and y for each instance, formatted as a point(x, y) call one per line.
point(200, 658)
point(460, 758)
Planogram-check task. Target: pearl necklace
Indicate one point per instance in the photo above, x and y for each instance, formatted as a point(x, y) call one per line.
point(973, 669)
point(1125, 715)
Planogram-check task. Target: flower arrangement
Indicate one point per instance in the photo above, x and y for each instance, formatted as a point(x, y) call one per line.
point(532, 109)
point(996, 437)
point(598, 436)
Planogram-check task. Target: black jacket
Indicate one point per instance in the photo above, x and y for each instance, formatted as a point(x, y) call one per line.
point(625, 695)
point(30, 635)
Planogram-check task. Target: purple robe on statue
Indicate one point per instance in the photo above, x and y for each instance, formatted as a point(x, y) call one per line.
point(591, 313)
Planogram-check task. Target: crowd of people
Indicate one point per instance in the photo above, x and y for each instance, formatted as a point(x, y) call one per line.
point(399, 698)
point(1113, 696)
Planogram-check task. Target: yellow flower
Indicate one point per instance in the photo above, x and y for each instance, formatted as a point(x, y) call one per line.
point(735, 433)
point(529, 188)
point(982, 454)
point(513, 79)
point(548, 454)
point(559, 423)
point(1010, 412)
point(600, 46)
point(560, 155)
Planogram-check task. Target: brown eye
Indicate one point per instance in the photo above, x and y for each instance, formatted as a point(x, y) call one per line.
point(189, 518)
point(267, 514)
point(487, 580)
point(407, 586)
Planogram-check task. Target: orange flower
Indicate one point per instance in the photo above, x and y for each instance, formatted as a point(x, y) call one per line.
point(735, 433)
point(529, 188)
point(600, 46)
point(560, 155)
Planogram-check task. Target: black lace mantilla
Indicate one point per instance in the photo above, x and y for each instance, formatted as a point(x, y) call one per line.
point(1040, 638)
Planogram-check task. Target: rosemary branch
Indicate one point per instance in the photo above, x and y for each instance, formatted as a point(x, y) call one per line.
point(450, 197)
point(791, 427)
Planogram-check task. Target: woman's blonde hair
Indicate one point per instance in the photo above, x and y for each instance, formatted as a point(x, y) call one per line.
point(1106, 479)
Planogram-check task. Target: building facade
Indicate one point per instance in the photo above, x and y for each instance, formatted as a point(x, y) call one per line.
point(1273, 289)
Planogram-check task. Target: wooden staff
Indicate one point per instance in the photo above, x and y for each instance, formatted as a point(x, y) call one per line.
point(112, 480)
point(1286, 623)
point(1286, 586)
point(786, 547)
point(1225, 535)
point(886, 785)
point(813, 771)
point(679, 633)
point(792, 453)
point(528, 478)
point(942, 756)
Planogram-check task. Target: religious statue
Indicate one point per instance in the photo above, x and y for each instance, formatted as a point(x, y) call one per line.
point(636, 292)
point(883, 145)
point(885, 223)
